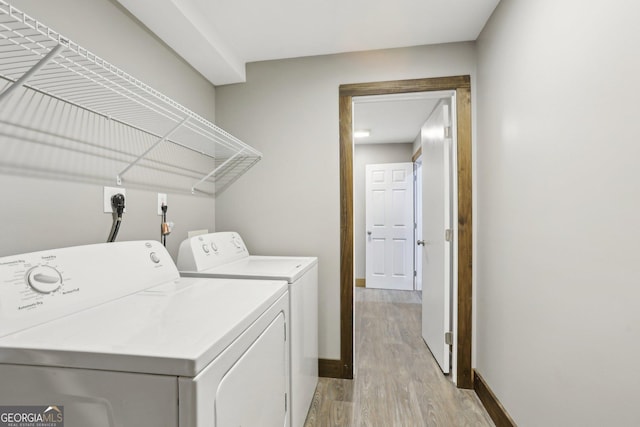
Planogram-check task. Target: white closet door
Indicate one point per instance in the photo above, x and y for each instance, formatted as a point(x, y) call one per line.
point(389, 226)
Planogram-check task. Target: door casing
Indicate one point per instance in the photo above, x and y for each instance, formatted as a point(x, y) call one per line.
point(343, 368)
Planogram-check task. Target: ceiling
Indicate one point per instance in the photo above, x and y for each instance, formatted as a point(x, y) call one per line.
point(391, 118)
point(218, 37)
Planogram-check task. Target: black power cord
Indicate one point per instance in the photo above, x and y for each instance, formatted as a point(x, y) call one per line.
point(117, 202)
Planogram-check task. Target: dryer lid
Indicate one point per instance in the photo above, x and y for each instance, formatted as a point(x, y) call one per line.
point(264, 267)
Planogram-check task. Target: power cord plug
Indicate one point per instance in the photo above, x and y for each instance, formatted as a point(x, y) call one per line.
point(117, 203)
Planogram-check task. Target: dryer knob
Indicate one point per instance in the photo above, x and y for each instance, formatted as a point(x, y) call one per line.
point(154, 257)
point(44, 279)
point(205, 248)
point(236, 241)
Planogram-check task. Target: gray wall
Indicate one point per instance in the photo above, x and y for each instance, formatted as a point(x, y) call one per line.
point(41, 213)
point(417, 143)
point(289, 203)
point(558, 330)
point(365, 154)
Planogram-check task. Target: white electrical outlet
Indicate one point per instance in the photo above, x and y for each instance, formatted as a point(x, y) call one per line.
point(110, 192)
point(162, 200)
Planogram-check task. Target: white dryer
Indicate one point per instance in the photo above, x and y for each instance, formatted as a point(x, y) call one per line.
point(224, 255)
point(110, 335)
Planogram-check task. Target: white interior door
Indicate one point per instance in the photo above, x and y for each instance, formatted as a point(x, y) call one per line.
point(437, 241)
point(389, 226)
point(417, 219)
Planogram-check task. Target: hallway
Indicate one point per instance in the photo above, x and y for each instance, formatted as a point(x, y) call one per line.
point(397, 382)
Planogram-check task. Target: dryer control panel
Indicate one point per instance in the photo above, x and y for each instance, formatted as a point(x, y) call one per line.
point(38, 287)
point(203, 252)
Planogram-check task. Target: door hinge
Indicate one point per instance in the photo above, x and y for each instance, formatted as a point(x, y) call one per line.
point(448, 338)
point(448, 235)
point(447, 131)
point(415, 273)
point(285, 331)
point(285, 402)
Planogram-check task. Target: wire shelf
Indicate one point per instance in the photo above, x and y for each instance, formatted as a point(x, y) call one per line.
point(46, 79)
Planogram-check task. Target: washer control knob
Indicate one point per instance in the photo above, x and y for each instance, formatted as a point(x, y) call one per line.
point(44, 279)
point(236, 241)
point(214, 247)
point(205, 248)
point(154, 257)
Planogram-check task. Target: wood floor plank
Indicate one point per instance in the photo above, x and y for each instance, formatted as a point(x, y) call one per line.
point(340, 414)
point(397, 381)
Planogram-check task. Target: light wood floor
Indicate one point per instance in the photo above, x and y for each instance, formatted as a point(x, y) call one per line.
point(397, 381)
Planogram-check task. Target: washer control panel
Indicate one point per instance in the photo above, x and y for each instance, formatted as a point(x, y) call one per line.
point(41, 286)
point(206, 251)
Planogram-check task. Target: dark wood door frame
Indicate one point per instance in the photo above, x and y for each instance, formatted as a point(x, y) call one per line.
point(343, 368)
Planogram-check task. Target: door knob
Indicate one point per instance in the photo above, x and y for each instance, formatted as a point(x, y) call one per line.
point(369, 233)
point(420, 242)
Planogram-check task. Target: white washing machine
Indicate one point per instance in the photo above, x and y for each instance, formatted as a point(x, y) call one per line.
point(225, 255)
point(110, 335)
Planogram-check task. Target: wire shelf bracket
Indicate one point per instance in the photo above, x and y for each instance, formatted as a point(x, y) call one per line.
point(26, 76)
point(143, 155)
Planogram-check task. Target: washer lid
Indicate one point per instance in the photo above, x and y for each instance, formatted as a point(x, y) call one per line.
point(262, 267)
point(173, 329)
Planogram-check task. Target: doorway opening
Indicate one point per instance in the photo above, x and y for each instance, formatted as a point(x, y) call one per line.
point(343, 368)
point(387, 131)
